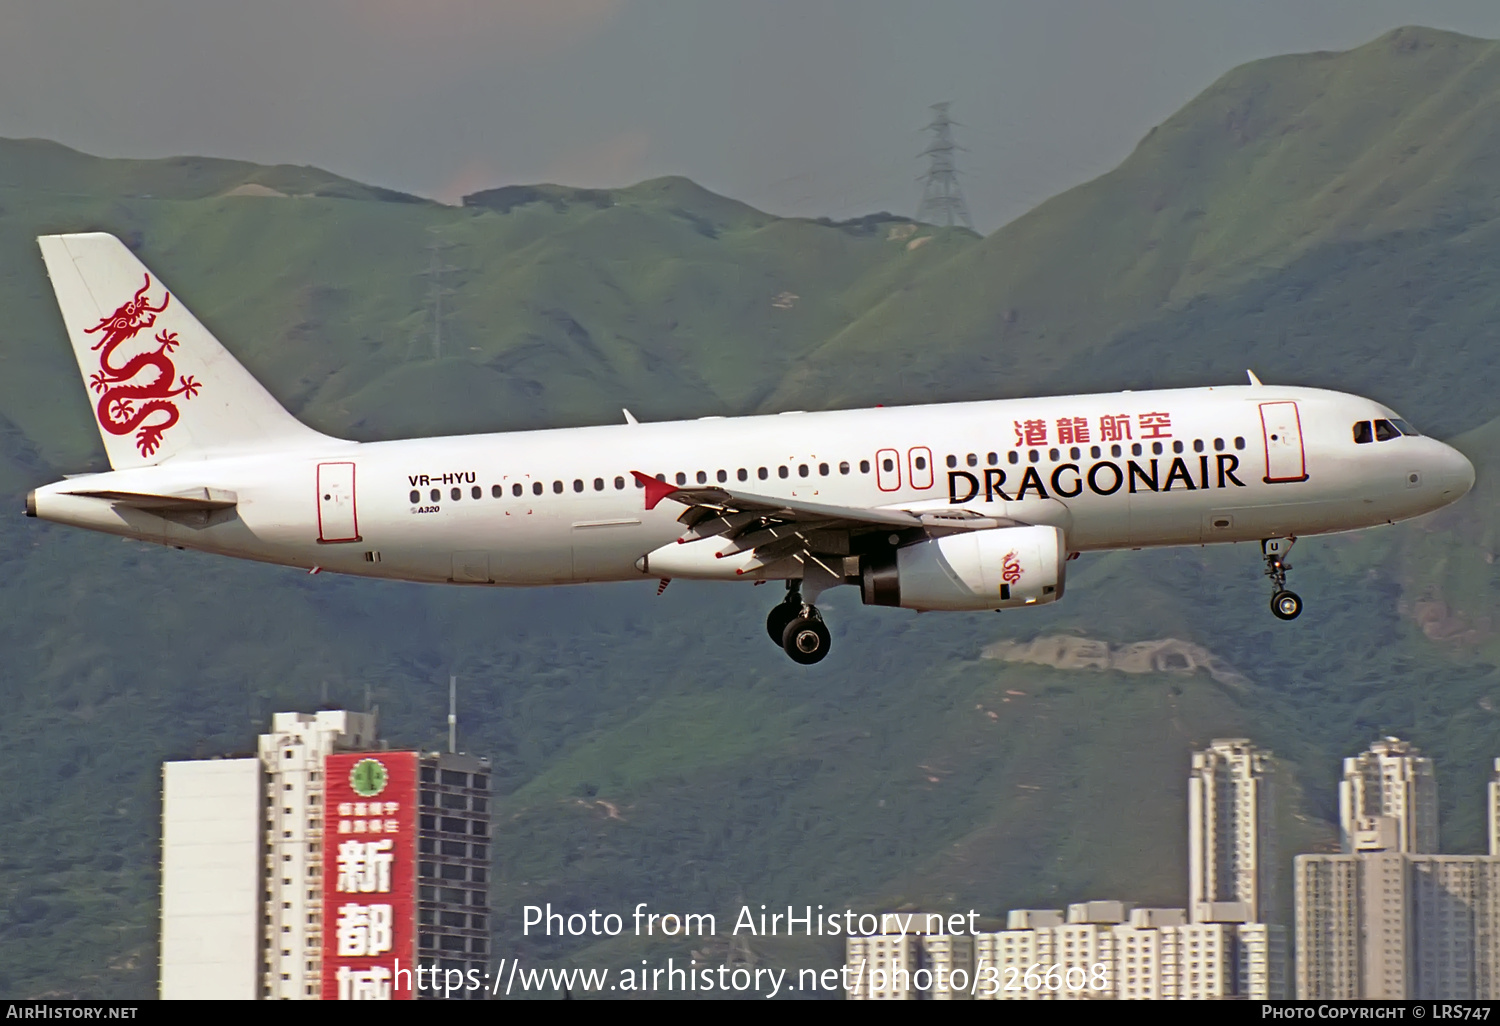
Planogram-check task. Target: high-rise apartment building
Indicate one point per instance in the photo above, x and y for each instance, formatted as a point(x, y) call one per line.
point(1388, 919)
point(1221, 946)
point(1105, 949)
point(910, 966)
point(1231, 834)
point(292, 758)
point(1389, 787)
point(347, 864)
point(211, 895)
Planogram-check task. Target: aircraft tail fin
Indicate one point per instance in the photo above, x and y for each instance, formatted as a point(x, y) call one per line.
point(161, 385)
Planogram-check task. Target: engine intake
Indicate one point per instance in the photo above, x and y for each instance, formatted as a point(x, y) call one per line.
point(994, 569)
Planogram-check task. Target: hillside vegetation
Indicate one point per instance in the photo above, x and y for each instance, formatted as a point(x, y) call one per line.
point(1327, 219)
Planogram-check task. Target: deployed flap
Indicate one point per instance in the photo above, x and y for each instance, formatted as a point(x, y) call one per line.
point(777, 528)
point(161, 384)
point(723, 500)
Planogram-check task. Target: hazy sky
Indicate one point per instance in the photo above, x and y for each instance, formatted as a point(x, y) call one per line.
point(810, 107)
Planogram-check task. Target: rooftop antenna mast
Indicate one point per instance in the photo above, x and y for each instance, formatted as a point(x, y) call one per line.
point(942, 199)
point(452, 715)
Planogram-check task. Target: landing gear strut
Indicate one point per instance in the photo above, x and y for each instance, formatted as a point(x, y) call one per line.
point(798, 627)
point(1286, 605)
point(784, 612)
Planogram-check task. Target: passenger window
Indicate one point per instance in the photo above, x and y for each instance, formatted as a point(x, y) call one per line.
point(1052, 455)
point(1218, 445)
point(619, 484)
point(498, 491)
point(1176, 446)
point(972, 460)
point(844, 467)
point(577, 484)
point(1385, 431)
point(1095, 452)
point(781, 471)
point(1013, 456)
point(952, 462)
point(457, 493)
point(598, 484)
point(557, 487)
point(1075, 453)
point(1135, 450)
point(823, 468)
point(1114, 450)
point(1362, 433)
point(1034, 455)
point(436, 495)
point(681, 478)
point(1197, 445)
point(993, 458)
point(921, 462)
point(802, 470)
point(1239, 443)
point(1156, 448)
point(416, 497)
point(515, 489)
point(864, 466)
point(742, 474)
point(887, 465)
point(702, 477)
point(723, 476)
point(477, 492)
point(536, 489)
point(762, 474)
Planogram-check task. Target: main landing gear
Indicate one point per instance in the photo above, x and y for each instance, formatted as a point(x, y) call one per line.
point(1286, 605)
point(798, 627)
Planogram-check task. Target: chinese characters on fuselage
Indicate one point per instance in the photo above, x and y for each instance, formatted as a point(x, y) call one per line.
point(1106, 475)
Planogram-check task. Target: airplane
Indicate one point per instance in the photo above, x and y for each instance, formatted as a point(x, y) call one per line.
point(955, 506)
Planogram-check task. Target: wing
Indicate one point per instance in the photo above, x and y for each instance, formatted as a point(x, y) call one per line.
point(779, 528)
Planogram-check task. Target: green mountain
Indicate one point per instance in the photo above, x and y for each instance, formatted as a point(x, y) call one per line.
point(1326, 219)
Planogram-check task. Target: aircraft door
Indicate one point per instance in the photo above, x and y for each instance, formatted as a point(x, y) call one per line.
point(337, 519)
point(1282, 431)
point(888, 470)
point(919, 467)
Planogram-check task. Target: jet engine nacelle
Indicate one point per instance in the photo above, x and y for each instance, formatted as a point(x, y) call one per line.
point(994, 569)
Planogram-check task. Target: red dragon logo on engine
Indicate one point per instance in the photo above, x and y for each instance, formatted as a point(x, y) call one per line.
point(1010, 568)
point(126, 402)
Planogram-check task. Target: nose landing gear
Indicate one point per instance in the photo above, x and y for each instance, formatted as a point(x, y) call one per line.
point(798, 627)
point(1285, 605)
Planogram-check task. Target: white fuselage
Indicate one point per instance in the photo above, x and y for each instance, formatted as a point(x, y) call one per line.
point(1122, 470)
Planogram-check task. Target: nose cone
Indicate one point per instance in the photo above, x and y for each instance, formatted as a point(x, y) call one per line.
point(1456, 474)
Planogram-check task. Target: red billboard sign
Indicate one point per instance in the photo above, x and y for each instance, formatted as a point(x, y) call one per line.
point(369, 875)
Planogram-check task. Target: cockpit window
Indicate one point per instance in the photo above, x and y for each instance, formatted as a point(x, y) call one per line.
point(1405, 428)
point(1362, 433)
point(1385, 431)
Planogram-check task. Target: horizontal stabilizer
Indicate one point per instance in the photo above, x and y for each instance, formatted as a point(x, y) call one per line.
point(195, 500)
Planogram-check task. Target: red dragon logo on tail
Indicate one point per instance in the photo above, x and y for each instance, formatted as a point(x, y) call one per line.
point(126, 402)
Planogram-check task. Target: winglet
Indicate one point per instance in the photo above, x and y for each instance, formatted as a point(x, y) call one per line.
point(1253, 379)
point(629, 417)
point(655, 490)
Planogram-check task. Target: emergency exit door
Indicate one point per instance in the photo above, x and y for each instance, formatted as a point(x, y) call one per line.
point(337, 519)
point(1282, 430)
